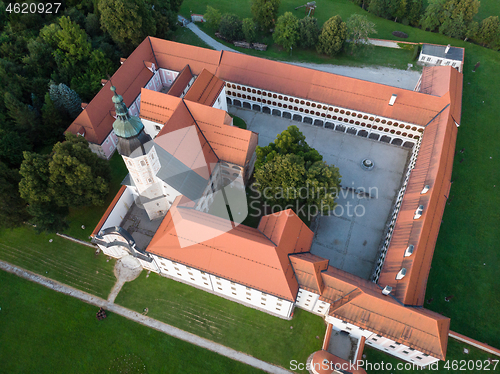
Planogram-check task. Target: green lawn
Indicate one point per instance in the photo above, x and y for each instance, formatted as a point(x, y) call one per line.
point(245, 329)
point(455, 354)
point(186, 36)
point(42, 331)
point(89, 216)
point(239, 122)
point(62, 260)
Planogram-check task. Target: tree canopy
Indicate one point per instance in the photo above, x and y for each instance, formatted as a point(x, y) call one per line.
point(231, 27)
point(332, 37)
point(309, 30)
point(359, 30)
point(289, 141)
point(265, 13)
point(72, 175)
point(286, 32)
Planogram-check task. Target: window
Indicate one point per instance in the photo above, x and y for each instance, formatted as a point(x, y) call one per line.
point(219, 288)
point(392, 346)
point(406, 352)
point(205, 283)
point(176, 268)
point(107, 141)
point(249, 294)
point(190, 273)
point(233, 288)
point(219, 283)
point(428, 59)
point(419, 358)
point(180, 275)
point(157, 128)
point(143, 163)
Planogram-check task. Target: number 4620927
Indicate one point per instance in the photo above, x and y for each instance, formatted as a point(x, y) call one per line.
point(25, 8)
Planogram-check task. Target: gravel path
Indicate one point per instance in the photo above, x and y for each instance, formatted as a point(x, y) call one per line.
point(405, 79)
point(147, 321)
point(207, 39)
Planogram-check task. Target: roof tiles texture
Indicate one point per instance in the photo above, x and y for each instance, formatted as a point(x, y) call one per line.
point(206, 89)
point(240, 254)
point(180, 83)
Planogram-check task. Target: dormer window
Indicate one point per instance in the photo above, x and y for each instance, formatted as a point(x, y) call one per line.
point(409, 250)
point(418, 212)
point(401, 274)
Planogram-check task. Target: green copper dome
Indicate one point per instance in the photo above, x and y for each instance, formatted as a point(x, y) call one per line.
point(125, 126)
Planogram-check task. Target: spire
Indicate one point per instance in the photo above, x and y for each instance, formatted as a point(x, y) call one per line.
point(125, 126)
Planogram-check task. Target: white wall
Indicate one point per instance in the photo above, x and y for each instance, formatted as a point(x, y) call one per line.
point(433, 60)
point(224, 287)
point(310, 301)
point(382, 343)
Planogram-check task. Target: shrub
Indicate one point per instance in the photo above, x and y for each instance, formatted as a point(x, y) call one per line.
point(249, 30)
point(231, 27)
point(332, 37)
point(286, 32)
point(213, 17)
point(416, 50)
point(309, 32)
point(400, 34)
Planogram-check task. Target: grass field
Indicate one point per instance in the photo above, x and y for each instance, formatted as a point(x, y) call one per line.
point(89, 216)
point(62, 260)
point(42, 331)
point(245, 329)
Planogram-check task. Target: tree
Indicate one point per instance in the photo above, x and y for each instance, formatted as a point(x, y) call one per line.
point(48, 217)
point(164, 13)
point(467, 8)
point(128, 22)
point(231, 27)
point(64, 98)
point(415, 12)
point(286, 32)
point(54, 121)
point(332, 37)
point(88, 84)
point(434, 15)
point(12, 146)
point(25, 117)
point(12, 207)
point(265, 13)
point(472, 30)
point(454, 27)
point(72, 42)
point(289, 141)
point(379, 8)
point(308, 32)
point(287, 181)
point(93, 24)
point(359, 29)
point(489, 32)
point(213, 17)
point(71, 176)
point(249, 30)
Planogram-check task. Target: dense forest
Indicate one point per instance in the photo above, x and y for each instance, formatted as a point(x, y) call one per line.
point(52, 58)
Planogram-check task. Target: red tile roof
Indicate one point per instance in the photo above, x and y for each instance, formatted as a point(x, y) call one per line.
point(240, 254)
point(205, 89)
point(128, 80)
point(433, 167)
point(350, 93)
point(181, 82)
point(334, 363)
point(362, 303)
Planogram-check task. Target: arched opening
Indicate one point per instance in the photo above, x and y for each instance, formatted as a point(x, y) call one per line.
point(385, 139)
point(229, 101)
point(237, 103)
point(318, 122)
point(247, 105)
point(340, 128)
point(287, 115)
point(362, 133)
point(308, 120)
point(374, 136)
point(276, 112)
point(256, 107)
point(408, 144)
point(296, 117)
point(397, 141)
point(329, 125)
point(351, 130)
point(266, 110)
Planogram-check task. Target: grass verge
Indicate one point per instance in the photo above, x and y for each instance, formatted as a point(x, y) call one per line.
point(212, 317)
point(43, 331)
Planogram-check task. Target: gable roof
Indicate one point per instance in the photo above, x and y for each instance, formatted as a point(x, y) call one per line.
point(205, 89)
point(240, 254)
point(157, 107)
point(181, 82)
point(433, 168)
point(350, 93)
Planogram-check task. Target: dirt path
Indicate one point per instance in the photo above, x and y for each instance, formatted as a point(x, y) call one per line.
point(147, 321)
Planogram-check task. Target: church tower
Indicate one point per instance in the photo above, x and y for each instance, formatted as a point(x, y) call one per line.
point(139, 154)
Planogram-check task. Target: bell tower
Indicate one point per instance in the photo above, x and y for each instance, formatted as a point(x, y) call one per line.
point(139, 154)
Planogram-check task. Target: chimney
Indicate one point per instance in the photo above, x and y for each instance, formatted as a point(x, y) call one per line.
point(84, 105)
point(447, 48)
point(122, 60)
point(387, 290)
point(103, 82)
point(393, 99)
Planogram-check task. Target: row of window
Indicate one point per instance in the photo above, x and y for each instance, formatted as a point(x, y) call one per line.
point(319, 114)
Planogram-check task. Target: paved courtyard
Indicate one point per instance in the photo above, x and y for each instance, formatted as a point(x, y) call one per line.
point(350, 237)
